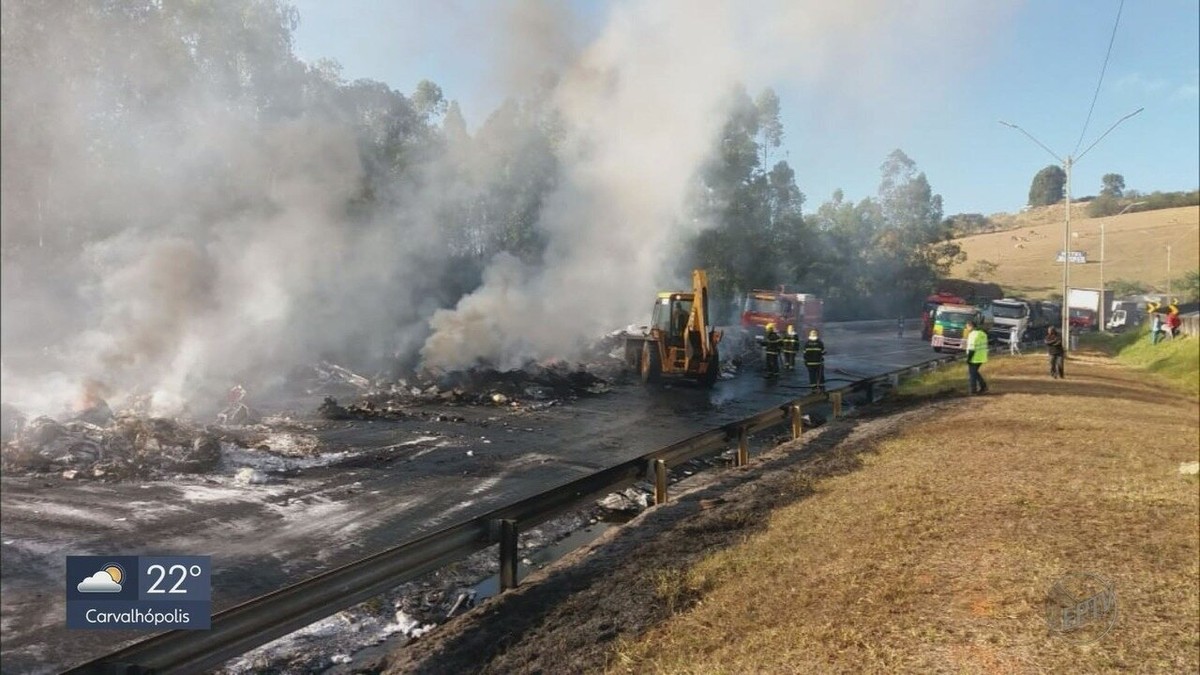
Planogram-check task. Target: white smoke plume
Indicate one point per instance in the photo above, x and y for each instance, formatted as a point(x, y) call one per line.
point(196, 237)
point(174, 247)
point(643, 105)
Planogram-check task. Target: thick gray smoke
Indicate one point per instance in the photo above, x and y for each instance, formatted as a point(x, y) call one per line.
point(643, 106)
point(173, 247)
point(202, 231)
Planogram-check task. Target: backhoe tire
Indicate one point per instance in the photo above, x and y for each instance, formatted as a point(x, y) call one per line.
point(713, 372)
point(651, 365)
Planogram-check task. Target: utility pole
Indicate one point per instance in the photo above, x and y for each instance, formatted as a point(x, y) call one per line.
point(1168, 273)
point(1068, 163)
point(1066, 308)
point(1104, 259)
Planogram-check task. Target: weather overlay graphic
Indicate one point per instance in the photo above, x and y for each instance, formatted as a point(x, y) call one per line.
point(139, 592)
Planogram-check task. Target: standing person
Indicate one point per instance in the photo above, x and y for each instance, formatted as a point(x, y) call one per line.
point(1054, 347)
point(791, 344)
point(1014, 341)
point(772, 342)
point(814, 360)
point(977, 355)
point(900, 328)
point(1155, 328)
point(1173, 320)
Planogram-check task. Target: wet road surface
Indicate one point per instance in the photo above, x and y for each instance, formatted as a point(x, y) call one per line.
point(386, 482)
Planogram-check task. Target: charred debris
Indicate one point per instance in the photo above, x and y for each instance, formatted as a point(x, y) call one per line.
point(95, 442)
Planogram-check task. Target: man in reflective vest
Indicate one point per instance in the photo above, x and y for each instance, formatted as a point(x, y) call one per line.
point(977, 354)
point(814, 360)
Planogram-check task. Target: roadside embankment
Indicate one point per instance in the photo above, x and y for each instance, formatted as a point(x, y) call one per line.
point(1174, 362)
point(930, 535)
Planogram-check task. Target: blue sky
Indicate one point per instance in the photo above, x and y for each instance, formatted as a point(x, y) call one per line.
point(1038, 68)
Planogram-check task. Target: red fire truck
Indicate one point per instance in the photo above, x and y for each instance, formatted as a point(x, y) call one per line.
point(782, 307)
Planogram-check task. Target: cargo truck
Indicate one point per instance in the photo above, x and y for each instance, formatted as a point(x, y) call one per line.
point(1030, 317)
point(1084, 307)
point(949, 323)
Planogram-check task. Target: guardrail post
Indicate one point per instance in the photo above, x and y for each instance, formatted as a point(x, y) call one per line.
point(660, 482)
point(743, 453)
point(797, 425)
point(836, 398)
point(508, 554)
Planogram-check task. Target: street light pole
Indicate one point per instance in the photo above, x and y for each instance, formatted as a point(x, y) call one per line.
point(1068, 163)
point(1066, 308)
point(1103, 259)
point(1168, 273)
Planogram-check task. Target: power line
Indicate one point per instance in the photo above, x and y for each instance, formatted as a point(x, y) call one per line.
point(1103, 68)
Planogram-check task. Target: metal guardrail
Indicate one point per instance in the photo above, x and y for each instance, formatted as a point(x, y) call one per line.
point(1189, 324)
point(239, 629)
point(910, 324)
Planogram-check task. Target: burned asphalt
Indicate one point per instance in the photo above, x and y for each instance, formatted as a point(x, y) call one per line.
point(322, 493)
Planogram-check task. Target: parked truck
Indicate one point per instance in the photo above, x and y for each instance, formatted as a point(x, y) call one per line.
point(783, 306)
point(1030, 317)
point(956, 292)
point(949, 324)
point(1084, 304)
point(1124, 314)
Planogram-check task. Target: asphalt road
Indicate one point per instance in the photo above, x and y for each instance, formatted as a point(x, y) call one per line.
point(384, 482)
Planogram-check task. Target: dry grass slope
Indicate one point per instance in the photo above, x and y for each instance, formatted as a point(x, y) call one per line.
point(938, 554)
point(1135, 247)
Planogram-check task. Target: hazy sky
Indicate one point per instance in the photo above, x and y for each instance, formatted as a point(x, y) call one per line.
point(1038, 68)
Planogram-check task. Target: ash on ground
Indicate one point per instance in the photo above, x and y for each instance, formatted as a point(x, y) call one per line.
point(361, 639)
point(132, 445)
point(535, 385)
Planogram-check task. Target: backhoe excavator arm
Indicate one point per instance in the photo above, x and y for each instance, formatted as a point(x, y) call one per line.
point(698, 321)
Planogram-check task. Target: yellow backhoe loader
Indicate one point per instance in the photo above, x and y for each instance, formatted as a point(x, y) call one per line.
point(680, 341)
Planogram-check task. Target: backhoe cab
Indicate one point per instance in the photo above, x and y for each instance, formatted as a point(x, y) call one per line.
point(680, 341)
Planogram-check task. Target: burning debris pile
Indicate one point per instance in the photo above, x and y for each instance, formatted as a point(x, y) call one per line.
point(124, 446)
point(94, 442)
point(543, 384)
point(365, 409)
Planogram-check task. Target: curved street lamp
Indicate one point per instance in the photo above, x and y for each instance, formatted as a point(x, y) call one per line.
point(1067, 163)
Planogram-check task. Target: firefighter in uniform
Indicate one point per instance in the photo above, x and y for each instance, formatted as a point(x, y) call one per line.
point(814, 360)
point(791, 345)
point(772, 343)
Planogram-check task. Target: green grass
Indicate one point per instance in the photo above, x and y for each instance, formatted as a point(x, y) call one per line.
point(1176, 362)
point(945, 379)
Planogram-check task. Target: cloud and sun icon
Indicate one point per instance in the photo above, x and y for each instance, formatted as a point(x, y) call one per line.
point(107, 580)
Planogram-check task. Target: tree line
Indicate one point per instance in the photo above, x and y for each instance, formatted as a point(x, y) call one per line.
point(878, 255)
point(1049, 187)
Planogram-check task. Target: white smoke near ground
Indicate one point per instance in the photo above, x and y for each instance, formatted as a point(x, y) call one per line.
point(643, 106)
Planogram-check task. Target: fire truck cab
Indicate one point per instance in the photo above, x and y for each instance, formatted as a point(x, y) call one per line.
point(782, 307)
